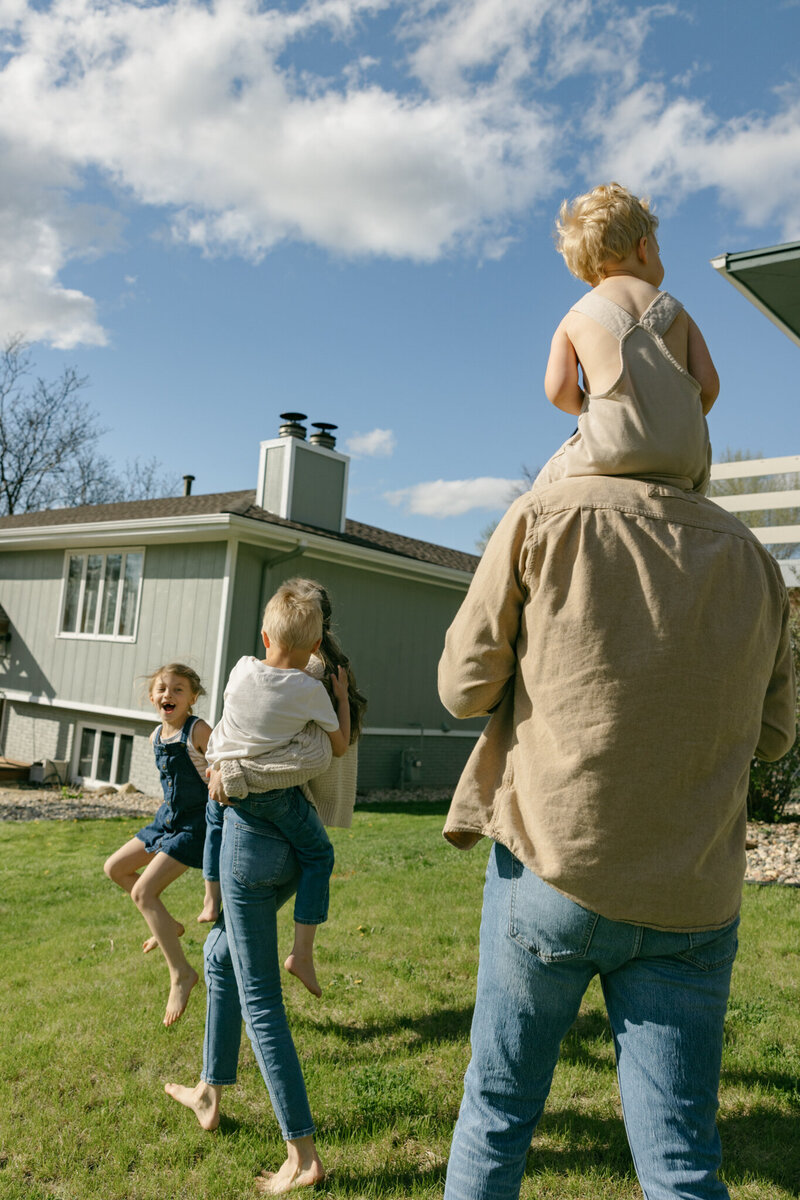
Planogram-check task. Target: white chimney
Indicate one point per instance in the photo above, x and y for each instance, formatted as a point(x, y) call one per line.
point(303, 481)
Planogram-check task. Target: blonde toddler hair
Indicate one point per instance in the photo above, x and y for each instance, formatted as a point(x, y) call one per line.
point(605, 223)
point(293, 617)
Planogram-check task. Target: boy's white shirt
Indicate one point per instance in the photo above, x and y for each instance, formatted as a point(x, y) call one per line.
point(265, 708)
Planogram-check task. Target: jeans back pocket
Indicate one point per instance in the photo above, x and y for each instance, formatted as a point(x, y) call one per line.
point(548, 924)
point(259, 856)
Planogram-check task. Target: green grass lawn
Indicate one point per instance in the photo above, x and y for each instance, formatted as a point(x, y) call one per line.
point(84, 1056)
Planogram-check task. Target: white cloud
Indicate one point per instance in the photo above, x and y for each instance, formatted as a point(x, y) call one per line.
point(678, 146)
point(190, 108)
point(454, 497)
point(199, 111)
point(378, 443)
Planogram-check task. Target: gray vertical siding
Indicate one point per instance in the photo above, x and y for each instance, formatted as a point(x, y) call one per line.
point(391, 626)
point(178, 619)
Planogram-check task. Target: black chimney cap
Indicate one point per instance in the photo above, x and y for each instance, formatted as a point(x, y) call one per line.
point(291, 425)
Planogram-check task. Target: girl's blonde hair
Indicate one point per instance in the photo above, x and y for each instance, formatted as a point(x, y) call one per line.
point(293, 618)
point(333, 656)
point(605, 223)
point(176, 668)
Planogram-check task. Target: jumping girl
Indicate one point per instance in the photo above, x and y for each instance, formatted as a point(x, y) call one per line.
point(173, 841)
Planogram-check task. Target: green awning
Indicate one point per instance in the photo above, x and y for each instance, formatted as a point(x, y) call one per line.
point(770, 278)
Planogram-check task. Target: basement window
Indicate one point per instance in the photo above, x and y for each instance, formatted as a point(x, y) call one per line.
point(100, 594)
point(104, 756)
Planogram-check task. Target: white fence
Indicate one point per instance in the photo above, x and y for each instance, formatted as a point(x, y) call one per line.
point(761, 501)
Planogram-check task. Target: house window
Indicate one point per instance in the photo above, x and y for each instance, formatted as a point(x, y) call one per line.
point(101, 594)
point(104, 756)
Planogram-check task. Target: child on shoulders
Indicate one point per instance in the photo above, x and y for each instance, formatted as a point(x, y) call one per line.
point(648, 380)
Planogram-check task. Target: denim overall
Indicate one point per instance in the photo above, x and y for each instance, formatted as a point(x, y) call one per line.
point(179, 826)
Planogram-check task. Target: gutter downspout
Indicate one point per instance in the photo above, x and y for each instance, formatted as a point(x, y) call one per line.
point(297, 551)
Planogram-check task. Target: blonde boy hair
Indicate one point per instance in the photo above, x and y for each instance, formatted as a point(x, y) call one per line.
point(605, 223)
point(293, 617)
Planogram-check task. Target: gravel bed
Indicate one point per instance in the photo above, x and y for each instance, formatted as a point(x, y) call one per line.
point(773, 854)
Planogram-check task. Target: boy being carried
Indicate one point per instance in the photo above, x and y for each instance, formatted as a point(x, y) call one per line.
point(268, 705)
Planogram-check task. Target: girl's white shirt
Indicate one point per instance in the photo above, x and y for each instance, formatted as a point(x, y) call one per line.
point(265, 707)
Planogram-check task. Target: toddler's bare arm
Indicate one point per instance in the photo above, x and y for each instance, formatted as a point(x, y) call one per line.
point(701, 367)
point(561, 382)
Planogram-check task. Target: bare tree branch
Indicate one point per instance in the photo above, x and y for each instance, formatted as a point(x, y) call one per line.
point(48, 444)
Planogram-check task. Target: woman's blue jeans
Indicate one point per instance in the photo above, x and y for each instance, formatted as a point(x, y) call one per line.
point(666, 996)
point(258, 873)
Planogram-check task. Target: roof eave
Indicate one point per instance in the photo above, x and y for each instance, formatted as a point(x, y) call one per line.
point(724, 263)
point(222, 527)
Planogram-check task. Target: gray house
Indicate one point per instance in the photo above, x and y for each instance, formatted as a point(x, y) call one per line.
point(94, 598)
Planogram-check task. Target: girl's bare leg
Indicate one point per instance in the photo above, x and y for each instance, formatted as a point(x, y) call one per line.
point(146, 892)
point(202, 1099)
point(302, 1168)
point(123, 868)
point(301, 961)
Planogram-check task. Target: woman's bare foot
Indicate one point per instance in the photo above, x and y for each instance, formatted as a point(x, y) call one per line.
point(179, 995)
point(303, 967)
point(209, 912)
point(151, 943)
point(302, 1168)
point(203, 1100)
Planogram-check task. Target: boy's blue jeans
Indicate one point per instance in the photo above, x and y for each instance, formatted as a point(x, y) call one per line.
point(666, 996)
point(288, 809)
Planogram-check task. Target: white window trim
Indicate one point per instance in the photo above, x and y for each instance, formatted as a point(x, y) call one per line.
point(92, 780)
point(84, 554)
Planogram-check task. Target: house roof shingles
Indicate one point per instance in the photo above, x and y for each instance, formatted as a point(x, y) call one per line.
point(241, 504)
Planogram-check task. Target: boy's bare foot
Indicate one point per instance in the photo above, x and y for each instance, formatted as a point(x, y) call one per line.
point(203, 1100)
point(151, 943)
point(210, 912)
point(303, 967)
point(179, 996)
point(290, 1176)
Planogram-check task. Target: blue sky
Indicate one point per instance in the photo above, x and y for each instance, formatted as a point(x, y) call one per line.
point(219, 212)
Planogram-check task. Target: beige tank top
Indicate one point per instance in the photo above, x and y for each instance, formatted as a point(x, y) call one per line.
point(649, 424)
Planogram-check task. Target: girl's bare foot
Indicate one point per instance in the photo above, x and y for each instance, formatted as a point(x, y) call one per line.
point(151, 943)
point(179, 996)
point(303, 967)
point(203, 1100)
point(210, 912)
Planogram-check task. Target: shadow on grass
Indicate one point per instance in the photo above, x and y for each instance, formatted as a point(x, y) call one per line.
point(762, 1144)
point(781, 1081)
point(588, 1142)
point(443, 1025)
point(416, 808)
point(398, 1182)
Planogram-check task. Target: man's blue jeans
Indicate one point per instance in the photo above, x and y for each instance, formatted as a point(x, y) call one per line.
point(666, 996)
point(258, 873)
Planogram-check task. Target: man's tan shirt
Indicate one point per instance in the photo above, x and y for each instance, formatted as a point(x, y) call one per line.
point(631, 643)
